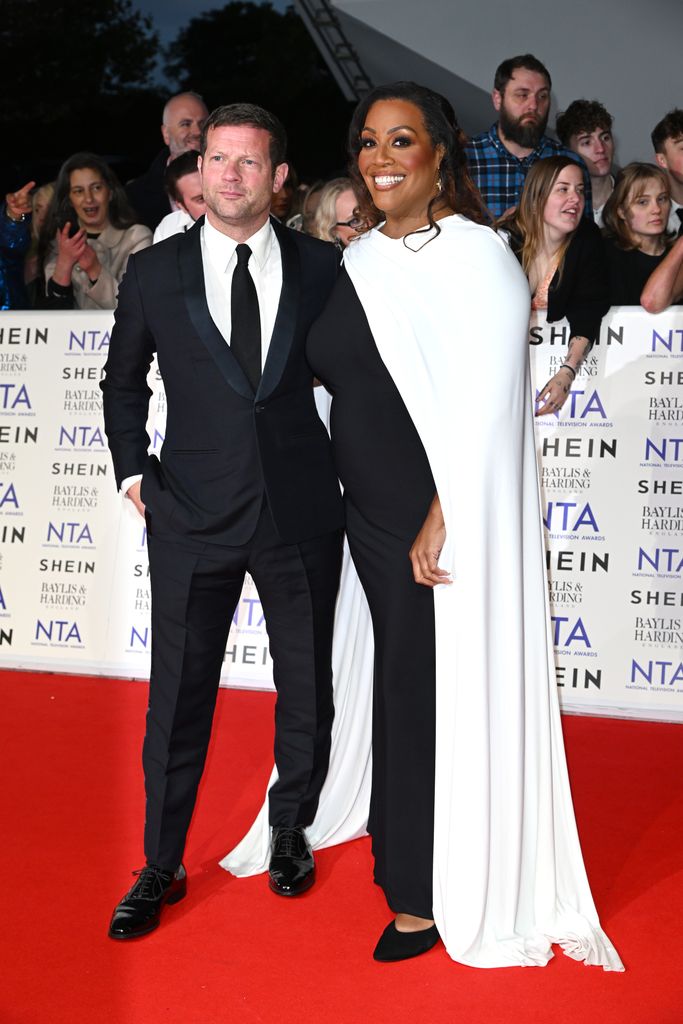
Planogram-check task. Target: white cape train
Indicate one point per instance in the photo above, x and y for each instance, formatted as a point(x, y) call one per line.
point(451, 324)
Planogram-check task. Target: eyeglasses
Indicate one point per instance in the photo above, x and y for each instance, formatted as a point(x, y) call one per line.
point(354, 223)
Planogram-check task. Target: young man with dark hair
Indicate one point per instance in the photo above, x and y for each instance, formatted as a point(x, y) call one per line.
point(183, 185)
point(500, 158)
point(667, 140)
point(585, 127)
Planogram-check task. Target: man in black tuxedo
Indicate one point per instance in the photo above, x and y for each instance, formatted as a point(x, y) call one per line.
point(245, 482)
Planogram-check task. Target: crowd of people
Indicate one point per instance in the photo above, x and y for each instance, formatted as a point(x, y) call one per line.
point(66, 244)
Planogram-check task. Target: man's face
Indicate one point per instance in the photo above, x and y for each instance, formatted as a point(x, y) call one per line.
point(238, 178)
point(191, 198)
point(523, 107)
point(596, 148)
point(183, 120)
point(672, 158)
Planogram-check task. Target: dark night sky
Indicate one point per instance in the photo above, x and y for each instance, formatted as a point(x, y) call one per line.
point(169, 16)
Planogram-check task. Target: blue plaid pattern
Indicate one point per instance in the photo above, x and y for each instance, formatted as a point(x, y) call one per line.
point(499, 175)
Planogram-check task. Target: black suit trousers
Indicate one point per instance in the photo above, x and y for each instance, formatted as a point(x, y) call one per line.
point(195, 589)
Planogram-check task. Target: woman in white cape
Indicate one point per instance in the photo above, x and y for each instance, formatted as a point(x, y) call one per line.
point(447, 306)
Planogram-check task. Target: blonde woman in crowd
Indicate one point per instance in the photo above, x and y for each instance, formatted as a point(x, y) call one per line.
point(637, 242)
point(335, 218)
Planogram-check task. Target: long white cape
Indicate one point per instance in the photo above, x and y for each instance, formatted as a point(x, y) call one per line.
point(451, 324)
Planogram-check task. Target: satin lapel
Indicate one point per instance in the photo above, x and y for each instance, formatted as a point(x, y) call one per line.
point(285, 321)
point(194, 291)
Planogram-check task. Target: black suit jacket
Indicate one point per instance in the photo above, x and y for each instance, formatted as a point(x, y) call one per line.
point(224, 446)
point(147, 194)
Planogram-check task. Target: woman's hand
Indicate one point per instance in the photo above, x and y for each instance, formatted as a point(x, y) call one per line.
point(69, 252)
point(554, 394)
point(18, 204)
point(424, 554)
point(89, 262)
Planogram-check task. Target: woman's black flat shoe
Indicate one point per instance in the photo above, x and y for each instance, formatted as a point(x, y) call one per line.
point(394, 945)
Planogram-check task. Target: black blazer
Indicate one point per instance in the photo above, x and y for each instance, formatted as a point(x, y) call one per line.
point(581, 292)
point(224, 447)
point(147, 194)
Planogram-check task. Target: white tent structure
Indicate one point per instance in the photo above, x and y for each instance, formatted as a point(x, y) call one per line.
point(621, 52)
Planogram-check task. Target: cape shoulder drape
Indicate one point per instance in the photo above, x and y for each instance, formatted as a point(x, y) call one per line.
point(450, 320)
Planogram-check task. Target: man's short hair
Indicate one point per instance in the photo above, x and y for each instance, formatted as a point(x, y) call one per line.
point(670, 127)
point(527, 61)
point(582, 116)
point(183, 165)
point(254, 117)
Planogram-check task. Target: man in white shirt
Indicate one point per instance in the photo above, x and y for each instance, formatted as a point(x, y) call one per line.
point(667, 140)
point(245, 483)
point(183, 185)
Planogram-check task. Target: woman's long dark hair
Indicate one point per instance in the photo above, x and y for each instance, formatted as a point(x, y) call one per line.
point(121, 214)
point(457, 189)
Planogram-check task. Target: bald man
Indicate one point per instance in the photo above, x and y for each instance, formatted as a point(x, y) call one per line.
point(181, 126)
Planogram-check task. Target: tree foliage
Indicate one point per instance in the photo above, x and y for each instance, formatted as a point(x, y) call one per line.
point(251, 52)
point(58, 55)
point(75, 77)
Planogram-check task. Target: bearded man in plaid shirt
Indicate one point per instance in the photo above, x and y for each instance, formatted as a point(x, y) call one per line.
point(500, 158)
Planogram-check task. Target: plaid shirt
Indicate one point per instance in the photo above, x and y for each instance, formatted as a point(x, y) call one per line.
point(499, 175)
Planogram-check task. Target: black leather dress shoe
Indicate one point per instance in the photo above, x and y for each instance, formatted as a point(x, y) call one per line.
point(291, 870)
point(140, 909)
point(394, 945)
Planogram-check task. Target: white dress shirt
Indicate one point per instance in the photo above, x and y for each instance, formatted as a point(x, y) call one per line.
point(172, 224)
point(219, 262)
point(265, 267)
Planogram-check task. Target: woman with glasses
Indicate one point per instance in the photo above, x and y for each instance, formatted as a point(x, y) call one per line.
point(335, 219)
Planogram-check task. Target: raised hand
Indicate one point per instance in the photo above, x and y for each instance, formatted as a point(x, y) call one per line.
point(19, 202)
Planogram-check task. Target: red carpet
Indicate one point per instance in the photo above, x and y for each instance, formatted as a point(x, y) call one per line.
point(232, 953)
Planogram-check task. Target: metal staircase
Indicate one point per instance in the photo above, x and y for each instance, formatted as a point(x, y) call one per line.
point(323, 25)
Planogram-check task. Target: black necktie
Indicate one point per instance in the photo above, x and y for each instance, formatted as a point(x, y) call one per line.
point(679, 214)
point(245, 332)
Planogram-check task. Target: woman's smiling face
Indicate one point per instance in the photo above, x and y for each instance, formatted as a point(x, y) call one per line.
point(398, 161)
